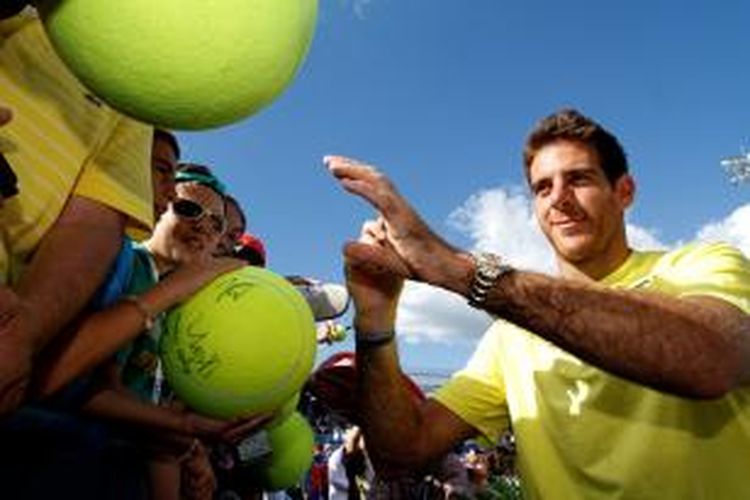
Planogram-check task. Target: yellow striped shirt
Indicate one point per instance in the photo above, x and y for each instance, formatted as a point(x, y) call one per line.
point(62, 141)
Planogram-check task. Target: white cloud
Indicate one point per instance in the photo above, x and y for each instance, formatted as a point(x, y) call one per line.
point(644, 239)
point(496, 220)
point(735, 229)
point(501, 220)
point(428, 314)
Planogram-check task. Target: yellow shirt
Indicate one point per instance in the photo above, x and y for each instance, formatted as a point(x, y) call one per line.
point(61, 142)
point(583, 433)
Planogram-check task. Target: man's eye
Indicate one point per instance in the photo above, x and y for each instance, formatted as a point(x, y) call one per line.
point(541, 189)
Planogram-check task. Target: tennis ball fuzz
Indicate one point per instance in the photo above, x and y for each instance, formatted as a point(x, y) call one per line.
point(182, 64)
point(242, 345)
point(292, 444)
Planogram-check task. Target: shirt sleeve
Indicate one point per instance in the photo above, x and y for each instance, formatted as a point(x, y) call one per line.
point(476, 393)
point(119, 173)
point(711, 269)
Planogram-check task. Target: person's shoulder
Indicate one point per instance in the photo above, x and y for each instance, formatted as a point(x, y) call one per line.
point(698, 252)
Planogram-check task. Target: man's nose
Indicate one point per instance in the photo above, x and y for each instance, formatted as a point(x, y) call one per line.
point(561, 194)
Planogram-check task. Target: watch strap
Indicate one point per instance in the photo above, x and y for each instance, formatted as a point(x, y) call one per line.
point(488, 269)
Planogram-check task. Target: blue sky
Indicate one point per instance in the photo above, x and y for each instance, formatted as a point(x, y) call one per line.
point(441, 93)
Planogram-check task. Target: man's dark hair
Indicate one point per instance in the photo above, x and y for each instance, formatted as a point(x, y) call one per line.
point(170, 138)
point(570, 125)
point(231, 200)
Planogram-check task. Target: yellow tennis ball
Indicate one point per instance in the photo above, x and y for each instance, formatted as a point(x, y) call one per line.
point(242, 345)
point(182, 64)
point(292, 444)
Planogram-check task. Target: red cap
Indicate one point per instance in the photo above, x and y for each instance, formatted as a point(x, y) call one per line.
point(251, 249)
point(335, 382)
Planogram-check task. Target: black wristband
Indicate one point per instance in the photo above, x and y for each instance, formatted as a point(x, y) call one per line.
point(374, 339)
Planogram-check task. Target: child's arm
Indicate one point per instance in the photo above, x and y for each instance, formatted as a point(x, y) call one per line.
point(116, 403)
point(101, 334)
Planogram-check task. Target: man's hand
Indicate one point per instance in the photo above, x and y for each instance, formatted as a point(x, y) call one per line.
point(15, 352)
point(374, 278)
point(417, 252)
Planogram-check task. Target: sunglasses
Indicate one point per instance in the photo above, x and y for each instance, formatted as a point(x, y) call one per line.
point(193, 211)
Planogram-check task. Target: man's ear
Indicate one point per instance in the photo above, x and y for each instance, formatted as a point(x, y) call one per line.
point(625, 190)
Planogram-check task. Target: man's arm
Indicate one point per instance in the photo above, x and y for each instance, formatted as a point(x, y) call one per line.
point(400, 433)
point(694, 347)
point(71, 262)
point(66, 270)
point(697, 347)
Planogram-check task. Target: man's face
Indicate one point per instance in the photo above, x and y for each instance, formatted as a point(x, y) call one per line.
point(235, 228)
point(579, 212)
point(163, 165)
point(190, 229)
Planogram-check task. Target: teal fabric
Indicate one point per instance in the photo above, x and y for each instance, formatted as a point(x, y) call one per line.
point(204, 179)
point(118, 278)
point(139, 361)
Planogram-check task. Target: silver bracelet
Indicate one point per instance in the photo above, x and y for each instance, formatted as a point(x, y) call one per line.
point(374, 339)
point(488, 270)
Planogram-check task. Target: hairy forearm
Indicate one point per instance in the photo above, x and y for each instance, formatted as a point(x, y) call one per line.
point(400, 432)
point(689, 347)
point(71, 262)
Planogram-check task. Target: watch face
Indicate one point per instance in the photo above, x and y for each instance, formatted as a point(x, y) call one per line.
point(488, 265)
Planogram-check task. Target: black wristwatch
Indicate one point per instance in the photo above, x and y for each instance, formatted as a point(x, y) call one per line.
point(488, 269)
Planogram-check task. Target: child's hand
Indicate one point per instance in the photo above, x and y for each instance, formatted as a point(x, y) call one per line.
point(228, 431)
point(242, 427)
point(188, 279)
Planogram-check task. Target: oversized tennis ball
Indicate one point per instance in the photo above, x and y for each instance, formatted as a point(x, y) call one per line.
point(182, 64)
point(242, 345)
point(292, 444)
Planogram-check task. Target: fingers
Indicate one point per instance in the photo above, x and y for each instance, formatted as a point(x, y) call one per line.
point(363, 180)
point(375, 260)
point(374, 232)
point(245, 426)
point(384, 259)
